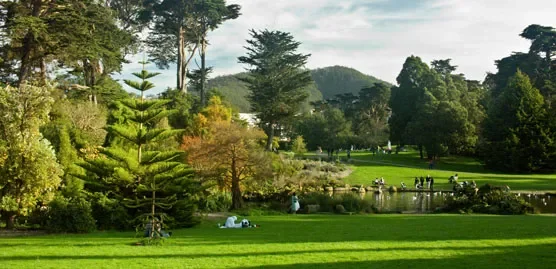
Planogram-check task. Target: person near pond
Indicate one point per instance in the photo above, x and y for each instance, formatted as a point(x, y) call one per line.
point(382, 182)
point(375, 182)
point(431, 182)
point(428, 180)
point(404, 187)
point(295, 203)
point(416, 183)
point(422, 180)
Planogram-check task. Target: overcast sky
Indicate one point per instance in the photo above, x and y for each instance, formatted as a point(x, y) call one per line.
point(375, 36)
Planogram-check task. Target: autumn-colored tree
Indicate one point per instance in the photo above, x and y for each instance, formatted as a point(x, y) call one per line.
point(216, 111)
point(230, 155)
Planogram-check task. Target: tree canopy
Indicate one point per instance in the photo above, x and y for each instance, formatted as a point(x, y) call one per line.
point(276, 78)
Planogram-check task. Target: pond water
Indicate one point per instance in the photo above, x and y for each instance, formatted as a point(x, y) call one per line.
point(423, 202)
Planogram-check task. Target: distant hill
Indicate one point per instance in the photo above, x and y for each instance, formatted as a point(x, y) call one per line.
point(339, 79)
point(329, 81)
point(233, 90)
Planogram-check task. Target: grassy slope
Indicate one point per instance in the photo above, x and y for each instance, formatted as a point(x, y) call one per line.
point(310, 241)
point(407, 165)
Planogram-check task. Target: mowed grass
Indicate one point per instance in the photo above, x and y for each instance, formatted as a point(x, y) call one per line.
point(405, 166)
point(309, 241)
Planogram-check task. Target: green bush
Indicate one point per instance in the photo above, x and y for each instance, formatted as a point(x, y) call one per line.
point(110, 213)
point(488, 200)
point(182, 215)
point(340, 209)
point(353, 203)
point(215, 202)
point(336, 183)
point(326, 202)
point(350, 201)
point(70, 216)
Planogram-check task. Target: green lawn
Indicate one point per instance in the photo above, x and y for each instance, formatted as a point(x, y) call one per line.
point(407, 165)
point(309, 241)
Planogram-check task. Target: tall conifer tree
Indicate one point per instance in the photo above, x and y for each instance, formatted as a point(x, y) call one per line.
point(148, 173)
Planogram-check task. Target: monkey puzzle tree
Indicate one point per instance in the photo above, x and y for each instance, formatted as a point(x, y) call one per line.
point(144, 175)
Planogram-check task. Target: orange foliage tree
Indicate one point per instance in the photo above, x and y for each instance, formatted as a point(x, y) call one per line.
point(230, 154)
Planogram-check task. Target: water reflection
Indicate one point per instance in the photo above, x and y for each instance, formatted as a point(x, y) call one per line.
point(423, 202)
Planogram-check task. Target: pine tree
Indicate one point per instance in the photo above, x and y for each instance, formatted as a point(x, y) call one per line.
point(151, 173)
point(277, 80)
point(516, 133)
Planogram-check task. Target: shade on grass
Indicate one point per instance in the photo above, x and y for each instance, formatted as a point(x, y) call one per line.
point(309, 241)
point(407, 165)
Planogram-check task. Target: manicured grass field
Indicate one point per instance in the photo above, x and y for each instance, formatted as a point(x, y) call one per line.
point(407, 165)
point(309, 241)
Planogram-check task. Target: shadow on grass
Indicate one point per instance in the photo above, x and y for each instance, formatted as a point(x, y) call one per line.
point(323, 228)
point(332, 228)
point(235, 254)
point(538, 256)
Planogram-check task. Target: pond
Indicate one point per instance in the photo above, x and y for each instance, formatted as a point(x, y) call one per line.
point(423, 202)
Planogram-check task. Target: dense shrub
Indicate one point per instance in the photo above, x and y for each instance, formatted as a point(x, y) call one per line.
point(326, 202)
point(220, 201)
point(488, 200)
point(182, 215)
point(110, 213)
point(70, 216)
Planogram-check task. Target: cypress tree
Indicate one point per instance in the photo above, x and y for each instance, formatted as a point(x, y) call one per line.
point(517, 135)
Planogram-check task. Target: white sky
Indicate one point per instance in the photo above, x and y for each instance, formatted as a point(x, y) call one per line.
point(375, 36)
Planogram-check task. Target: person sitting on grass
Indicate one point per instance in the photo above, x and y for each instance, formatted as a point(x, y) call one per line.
point(158, 230)
point(230, 223)
point(404, 187)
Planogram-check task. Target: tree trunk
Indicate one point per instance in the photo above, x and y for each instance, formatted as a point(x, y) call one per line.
point(203, 71)
point(270, 136)
point(26, 64)
point(182, 62)
point(9, 219)
point(237, 200)
point(24, 69)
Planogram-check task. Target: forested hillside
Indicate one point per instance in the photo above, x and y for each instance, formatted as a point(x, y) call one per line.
point(235, 91)
point(339, 79)
point(329, 81)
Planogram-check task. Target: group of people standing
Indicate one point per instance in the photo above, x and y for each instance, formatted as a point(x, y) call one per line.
point(420, 183)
